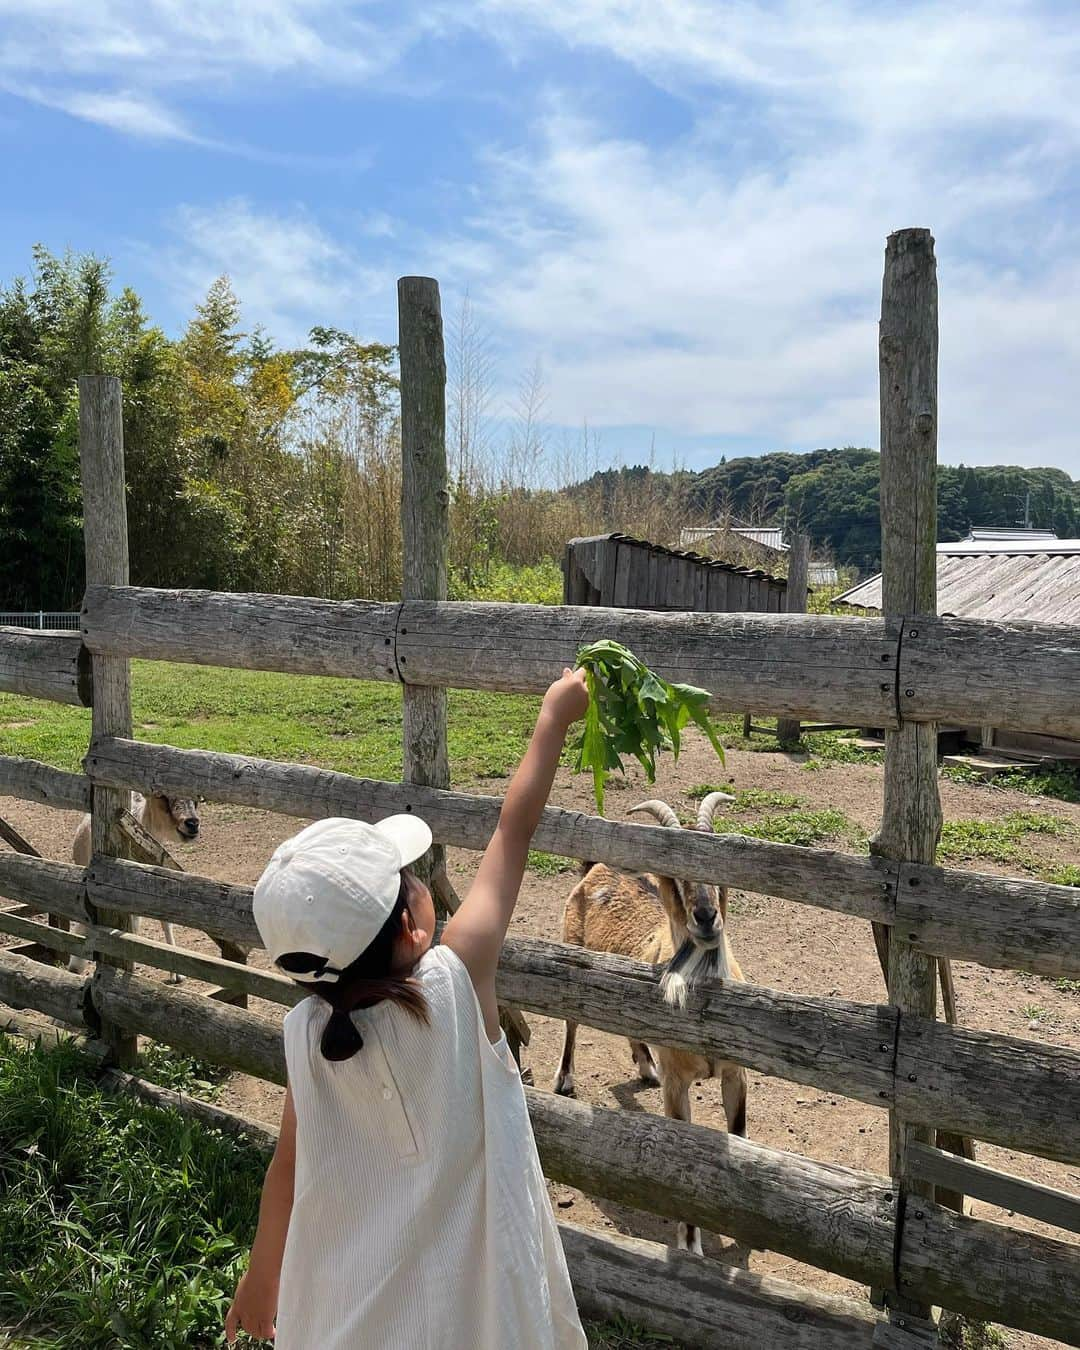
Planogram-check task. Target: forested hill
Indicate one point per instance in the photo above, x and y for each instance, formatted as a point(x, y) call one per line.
point(834, 494)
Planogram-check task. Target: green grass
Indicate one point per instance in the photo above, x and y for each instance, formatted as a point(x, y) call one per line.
point(803, 827)
point(959, 1333)
point(124, 1225)
point(350, 725)
point(549, 864)
point(171, 1068)
point(120, 1224)
point(1068, 875)
point(748, 799)
point(1002, 841)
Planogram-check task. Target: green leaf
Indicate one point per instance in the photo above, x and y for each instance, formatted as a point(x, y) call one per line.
point(633, 711)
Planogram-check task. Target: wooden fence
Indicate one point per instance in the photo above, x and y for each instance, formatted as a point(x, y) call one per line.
point(909, 669)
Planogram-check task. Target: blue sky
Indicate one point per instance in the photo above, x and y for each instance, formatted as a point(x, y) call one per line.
point(678, 207)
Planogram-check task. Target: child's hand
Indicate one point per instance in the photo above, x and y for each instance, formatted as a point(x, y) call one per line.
point(568, 698)
point(253, 1310)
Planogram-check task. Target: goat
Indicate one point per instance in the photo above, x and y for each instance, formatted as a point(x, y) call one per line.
point(681, 925)
point(170, 820)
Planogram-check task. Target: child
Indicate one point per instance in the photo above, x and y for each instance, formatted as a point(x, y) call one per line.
point(404, 1208)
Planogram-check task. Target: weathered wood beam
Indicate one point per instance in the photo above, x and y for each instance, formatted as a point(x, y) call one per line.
point(43, 886)
point(996, 1188)
point(105, 536)
point(931, 1071)
point(703, 1304)
point(44, 935)
point(299, 635)
point(32, 781)
point(997, 921)
point(786, 665)
point(828, 1216)
point(788, 729)
point(32, 984)
point(982, 1269)
point(53, 666)
point(190, 1022)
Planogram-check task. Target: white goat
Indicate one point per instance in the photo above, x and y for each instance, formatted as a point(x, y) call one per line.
point(170, 820)
point(663, 921)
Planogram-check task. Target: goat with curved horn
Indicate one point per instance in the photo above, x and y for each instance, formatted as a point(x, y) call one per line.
point(680, 926)
point(660, 812)
point(708, 808)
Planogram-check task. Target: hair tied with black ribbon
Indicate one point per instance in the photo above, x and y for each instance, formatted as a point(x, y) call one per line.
point(308, 967)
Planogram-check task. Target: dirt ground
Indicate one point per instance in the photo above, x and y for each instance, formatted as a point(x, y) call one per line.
point(778, 943)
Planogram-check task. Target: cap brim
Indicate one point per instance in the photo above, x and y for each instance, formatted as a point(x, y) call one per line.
point(410, 835)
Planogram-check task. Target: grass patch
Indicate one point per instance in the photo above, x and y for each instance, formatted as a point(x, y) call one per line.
point(1064, 986)
point(350, 725)
point(171, 1068)
point(1061, 781)
point(748, 799)
point(121, 1224)
point(960, 1333)
point(549, 864)
point(1002, 841)
point(623, 1335)
point(1069, 875)
point(802, 826)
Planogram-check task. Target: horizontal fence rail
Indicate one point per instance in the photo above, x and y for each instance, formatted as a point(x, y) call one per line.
point(33, 781)
point(945, 1075)
point(52, 666)
point(874, 672)
point(999, 922)
point(836, 1217)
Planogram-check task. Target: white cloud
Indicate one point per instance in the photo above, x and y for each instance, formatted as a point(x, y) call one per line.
point(109, 60)
point(288, 272)
point(703, 291)
point(132, 114)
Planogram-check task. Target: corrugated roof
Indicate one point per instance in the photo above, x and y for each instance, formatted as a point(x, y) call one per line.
point(680, 553)
point(1043, 587)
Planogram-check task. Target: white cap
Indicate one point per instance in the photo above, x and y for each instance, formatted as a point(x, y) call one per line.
point(328, 891)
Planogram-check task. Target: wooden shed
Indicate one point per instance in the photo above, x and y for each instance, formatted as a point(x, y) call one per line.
point(618, 570)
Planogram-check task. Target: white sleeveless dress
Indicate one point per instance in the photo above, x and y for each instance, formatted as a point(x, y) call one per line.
point(420, 1216)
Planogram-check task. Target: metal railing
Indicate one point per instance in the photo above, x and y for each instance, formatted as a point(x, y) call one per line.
point(42, 619)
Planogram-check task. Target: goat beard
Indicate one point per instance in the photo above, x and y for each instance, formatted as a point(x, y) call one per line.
point(690, 966)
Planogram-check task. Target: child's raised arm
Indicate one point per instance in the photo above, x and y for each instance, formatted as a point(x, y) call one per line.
point(477, 930)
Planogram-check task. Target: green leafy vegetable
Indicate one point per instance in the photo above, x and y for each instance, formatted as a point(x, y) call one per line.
point(632, 711)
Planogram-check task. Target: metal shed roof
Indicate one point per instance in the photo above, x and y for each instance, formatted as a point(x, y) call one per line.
point(1005, 584)
point(680, 553)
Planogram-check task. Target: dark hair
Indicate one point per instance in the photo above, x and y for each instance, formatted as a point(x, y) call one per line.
point(368, 980)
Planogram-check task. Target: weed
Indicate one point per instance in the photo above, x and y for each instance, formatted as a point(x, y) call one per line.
point(802, 826)
point(1064, 986)
point(183, 1073)
point(1035, 1014)
point(1057, 780)
point(1068, 875)
point(623, 1335)
point(960, 1333)
point(122, 1224)
point(748, 799)
point(1000, 841)
point(549, 864)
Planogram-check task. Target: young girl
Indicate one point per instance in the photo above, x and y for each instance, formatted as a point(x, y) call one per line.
point(404, 1208)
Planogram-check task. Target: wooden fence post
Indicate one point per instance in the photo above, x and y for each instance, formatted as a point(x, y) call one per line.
point(911, 809)
point(788, 730)
point(101, 450)
point(425, 527)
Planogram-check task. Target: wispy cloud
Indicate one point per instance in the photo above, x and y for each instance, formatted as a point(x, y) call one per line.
point(288, 272)
point(697, 287)
point(129, 64)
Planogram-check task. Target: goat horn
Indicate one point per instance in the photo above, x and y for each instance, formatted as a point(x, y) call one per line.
point(708, 807)
point(660, 811)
